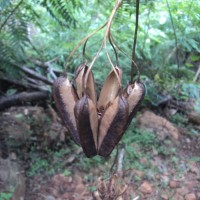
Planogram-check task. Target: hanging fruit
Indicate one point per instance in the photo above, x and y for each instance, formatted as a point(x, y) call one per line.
point(97, 125)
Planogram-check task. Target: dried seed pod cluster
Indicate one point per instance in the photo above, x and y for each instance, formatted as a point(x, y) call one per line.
point(97, 125)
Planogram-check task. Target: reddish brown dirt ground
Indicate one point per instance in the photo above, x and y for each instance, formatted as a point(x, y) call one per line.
point(173, 177)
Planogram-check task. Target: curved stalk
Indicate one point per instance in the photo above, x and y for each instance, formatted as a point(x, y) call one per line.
point(113, 46)
point(104, 44)
point(119, 48)
point(81, 42)
point(107, 33)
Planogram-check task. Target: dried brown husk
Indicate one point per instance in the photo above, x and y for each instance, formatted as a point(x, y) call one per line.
point(110, 89)
point(65, 98)
point(87, 125)
point(80, 73)
point(90, 86)
point(111, 126)
point(86, 113)
point(134, 93)
point(112, 188)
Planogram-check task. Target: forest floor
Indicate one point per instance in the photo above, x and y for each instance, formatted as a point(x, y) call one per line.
point(38, 160)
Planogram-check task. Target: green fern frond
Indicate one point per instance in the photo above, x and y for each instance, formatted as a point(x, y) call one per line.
point(61, 10)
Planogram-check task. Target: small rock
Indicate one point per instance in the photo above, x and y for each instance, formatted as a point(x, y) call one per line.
point(97, 196)
point(13, 156)
point(139, 173)
point(146, 188)
point(183, 191)
point(144, 161)
point(173, 184)
point(158, 177)
point(159, 125)
point(49, 198)
point(70, 159)
point(188, 140)
point(177, 196)
point(164, 180)
point(164, 197)
point(26, 111)
point(193, 168)
point(65, 196)
point(190, 196)
point(182, 166)
point(150, 175)
point(192, 184)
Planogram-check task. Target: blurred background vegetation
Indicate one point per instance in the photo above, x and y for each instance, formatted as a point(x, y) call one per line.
point(38, 35)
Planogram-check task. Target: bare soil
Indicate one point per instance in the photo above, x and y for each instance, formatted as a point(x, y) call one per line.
point(28, 133)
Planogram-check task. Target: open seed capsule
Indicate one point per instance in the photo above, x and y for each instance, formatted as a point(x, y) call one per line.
point(110, 89)
point(65, 98)
point(87, 125)
point(134, 93)
point(111, 126)
point(113, 110)
point(90, 86)
point(86, 112)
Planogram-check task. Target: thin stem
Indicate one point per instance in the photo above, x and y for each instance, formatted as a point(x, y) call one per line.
point(84, 47)
point(138, 71)
point(104, 44)
point(176, 40)
point(107, 33)
point(116, 56)
point(81, 42)
point(135, 36)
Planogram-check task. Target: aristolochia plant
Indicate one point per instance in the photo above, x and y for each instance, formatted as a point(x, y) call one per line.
point(97, 124)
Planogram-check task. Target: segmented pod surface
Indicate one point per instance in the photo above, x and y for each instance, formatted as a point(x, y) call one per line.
point(87, 125)
point(80, 73)
point(65, 98)
point(90, 89)
point(111, 127)
point(110, 89)
point(134, 93)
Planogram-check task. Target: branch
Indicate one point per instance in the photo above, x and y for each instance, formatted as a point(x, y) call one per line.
point(34, 74)
point(120, 160)
point(47, 65)
point(12, 12)
point(15, 82)
point(19, 99)
point(25, 85)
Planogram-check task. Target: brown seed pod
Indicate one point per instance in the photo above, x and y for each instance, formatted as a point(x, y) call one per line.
point(90, 87)
point(80, 73)
point(87, 125)
point(110, 89)
point(111, 126)
point(65, 98)
point(86, 113)
point(134, 93)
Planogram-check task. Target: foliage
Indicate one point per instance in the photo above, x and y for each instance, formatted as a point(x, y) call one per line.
point(48, 29)
point(179, 119)
point(6, 195)
point(49, 165)
point(45, 29)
